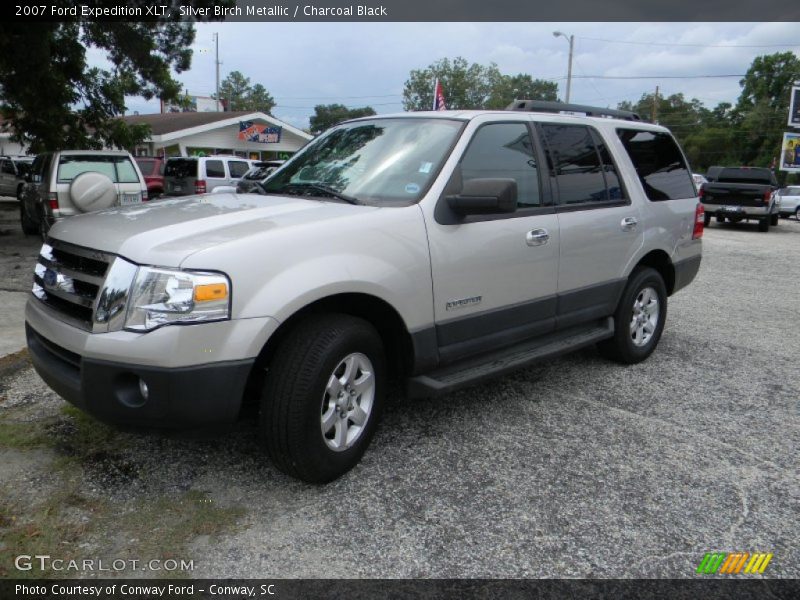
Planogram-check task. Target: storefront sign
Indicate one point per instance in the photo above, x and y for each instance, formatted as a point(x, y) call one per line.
point(790, 153)
point(794, 107)
point(261, 134)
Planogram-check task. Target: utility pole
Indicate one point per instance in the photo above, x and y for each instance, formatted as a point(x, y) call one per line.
point(216, 98)
point(571, 40)
point(654, 116)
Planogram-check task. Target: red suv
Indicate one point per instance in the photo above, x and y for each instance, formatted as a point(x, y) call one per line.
point(152, 167)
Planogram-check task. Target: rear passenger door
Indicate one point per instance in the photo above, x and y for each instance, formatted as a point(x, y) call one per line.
point(600, 226)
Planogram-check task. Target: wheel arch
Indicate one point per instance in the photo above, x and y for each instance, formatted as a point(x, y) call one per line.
point(661, 262)
point(397, 340)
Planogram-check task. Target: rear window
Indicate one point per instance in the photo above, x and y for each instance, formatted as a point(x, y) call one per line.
point(181, 167)
point(146, 165)
point(659, 163)
point(738, 175)
point(118, 169)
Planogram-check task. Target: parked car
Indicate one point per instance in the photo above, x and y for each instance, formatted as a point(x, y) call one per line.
point(740, 194)
point(71, 182)
point(258, 174)
point(152, 167)
point(13, 170)
point(436, 249)
point(790, 201)
point(184, 176)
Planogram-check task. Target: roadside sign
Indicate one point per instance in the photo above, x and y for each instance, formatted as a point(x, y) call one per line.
point(794, 107)
point(790, 153)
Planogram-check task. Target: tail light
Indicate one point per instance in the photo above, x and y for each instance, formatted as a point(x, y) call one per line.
point(199, 187)
point(767, 196)
point(699, 219)
point(701, 192)
point(52, 201)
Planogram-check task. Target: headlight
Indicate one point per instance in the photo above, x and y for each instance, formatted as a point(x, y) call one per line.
point(165, 296)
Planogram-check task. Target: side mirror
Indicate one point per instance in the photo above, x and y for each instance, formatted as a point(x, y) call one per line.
point(485, 196)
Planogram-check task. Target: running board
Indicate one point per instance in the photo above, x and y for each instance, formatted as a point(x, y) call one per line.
point(473, 370)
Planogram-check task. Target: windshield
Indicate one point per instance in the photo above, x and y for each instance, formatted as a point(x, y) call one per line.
point(377, 160)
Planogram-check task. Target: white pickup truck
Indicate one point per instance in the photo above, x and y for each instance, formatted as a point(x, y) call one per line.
point(437, 249)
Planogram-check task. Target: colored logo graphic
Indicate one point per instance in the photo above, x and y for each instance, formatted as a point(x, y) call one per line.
point(733, 563)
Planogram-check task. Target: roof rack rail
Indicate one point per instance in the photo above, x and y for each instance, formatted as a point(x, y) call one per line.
point(579, 109)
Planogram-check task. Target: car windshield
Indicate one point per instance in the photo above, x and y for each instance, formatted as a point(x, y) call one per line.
point(118, 169)
point(371, 161)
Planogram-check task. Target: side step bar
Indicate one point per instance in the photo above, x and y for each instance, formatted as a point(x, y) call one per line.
point(473, 370)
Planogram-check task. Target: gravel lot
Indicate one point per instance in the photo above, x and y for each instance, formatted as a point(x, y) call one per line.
point(574, 468)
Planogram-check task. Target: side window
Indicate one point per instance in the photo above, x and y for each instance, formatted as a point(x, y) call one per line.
point(504, 151)
point(576, 164)
point(660, 165)
point(616, 191)
point(237, 168)
point(126, 173)
point(215, 168)
point(6, 167)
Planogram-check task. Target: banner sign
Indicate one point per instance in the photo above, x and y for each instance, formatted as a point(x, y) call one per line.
point(794, 107)
point(790, 153)
point(261, 134)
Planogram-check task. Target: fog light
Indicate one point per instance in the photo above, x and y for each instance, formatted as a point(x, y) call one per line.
point(143, 389)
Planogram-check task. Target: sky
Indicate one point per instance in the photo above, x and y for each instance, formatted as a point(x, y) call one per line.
point(358, 64)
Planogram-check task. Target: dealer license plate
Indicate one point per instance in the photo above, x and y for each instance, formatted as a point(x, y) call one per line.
point(732, 209)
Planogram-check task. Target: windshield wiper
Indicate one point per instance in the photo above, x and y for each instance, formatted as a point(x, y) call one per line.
point(320, 187)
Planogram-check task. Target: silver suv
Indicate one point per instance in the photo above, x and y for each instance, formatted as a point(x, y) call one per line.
point(70, 182)
point(436, 249)
point(184, 176)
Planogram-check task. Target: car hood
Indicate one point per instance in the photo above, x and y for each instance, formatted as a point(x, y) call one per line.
point(166, 232)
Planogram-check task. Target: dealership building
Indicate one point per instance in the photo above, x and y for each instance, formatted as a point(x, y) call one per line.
point(254, 135)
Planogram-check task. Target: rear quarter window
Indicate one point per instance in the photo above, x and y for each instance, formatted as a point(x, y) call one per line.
point(215, 168)
point(659, 164)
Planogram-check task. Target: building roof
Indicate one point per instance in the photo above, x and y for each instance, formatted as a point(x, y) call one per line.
point(165, 126)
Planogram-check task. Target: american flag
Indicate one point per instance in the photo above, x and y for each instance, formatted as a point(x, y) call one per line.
point(438, 96)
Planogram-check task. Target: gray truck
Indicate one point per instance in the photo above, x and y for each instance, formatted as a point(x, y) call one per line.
point(434, 249)
point(738, 194)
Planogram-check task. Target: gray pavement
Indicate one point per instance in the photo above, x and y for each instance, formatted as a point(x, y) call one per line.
point(574, 468)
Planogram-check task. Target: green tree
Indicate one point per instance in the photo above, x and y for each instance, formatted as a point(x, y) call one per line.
point(239, 94)
point(471, 86)
point(328, 115)
point(53, 99)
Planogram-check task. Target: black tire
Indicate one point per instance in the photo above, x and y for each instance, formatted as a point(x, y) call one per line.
point(707, 219)
point(29, 226)
point(763, 224)
point(621, 348)
point(797, 213)
point(294, 396)
point(774, 219)
point(720, 219)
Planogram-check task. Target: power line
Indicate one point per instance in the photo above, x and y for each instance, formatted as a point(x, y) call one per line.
point(786, 45)
point(653, 76)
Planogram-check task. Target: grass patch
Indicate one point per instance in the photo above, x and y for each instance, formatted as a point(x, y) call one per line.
point(22, 436)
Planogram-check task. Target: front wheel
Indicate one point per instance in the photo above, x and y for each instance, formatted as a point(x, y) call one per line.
point(639, 318)
point(29, 226)
point(323, 397)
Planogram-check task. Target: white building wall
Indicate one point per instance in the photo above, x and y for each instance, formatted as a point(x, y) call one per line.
point(9, 147)
point(227, 138)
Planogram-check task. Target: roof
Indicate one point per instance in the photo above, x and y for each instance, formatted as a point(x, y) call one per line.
point(167, 126)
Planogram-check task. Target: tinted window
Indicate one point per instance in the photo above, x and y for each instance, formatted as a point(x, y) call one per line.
point(659, 164)
point(740, 175)
point(181, 167)
point(504, 151)
point(237, 168)
point(576, 164)
point(613, 182)
point(146, 165)
point(214, 168)
point(7, 167)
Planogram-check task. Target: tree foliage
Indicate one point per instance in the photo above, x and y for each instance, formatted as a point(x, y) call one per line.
point(52, 99)
point(237, 93)
point(472, 86)
point(328, 115)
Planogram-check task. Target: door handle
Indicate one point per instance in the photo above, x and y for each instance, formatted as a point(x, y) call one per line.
point(628, 223)
point(537, 237)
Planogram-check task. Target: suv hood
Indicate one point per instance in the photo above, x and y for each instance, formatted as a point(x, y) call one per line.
point(166, 232)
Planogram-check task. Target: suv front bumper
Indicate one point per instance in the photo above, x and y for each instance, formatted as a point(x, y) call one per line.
point(113, 391)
